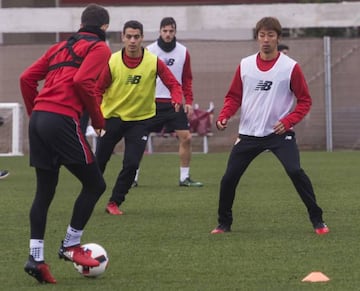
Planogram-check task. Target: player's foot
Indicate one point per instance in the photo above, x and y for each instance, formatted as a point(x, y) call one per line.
point(39, 270)
point(321, 228)
point(134, 184)
point(77, 255)
point(4, 174)
point(221, 228)
point(113, 209)
point(190, 183)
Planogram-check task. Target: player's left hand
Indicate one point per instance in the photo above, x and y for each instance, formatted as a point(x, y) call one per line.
point(279, 128)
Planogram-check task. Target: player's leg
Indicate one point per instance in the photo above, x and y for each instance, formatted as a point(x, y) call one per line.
point(41, 127)
point(45, 190)
point(68, 146)
point(184, 137)
point(135, 142)
point(93, 185)
point(46, 182)
point(286, 150)
point(185, 152)
point(178, 121)
point(242, 153)
point(154, 124)
point(106, 144)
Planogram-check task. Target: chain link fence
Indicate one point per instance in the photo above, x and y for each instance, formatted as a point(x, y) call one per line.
point(214, 64)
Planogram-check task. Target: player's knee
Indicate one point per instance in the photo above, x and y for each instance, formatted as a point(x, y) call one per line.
point(185, 138)
point(97, 187)
point(294, 172)
point(101, 187)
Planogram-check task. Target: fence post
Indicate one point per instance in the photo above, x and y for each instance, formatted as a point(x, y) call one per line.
point(328, 97)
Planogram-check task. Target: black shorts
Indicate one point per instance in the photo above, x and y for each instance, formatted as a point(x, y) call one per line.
point(56, 140)
point(167, 117)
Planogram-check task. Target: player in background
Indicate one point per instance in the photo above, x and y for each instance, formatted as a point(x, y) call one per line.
point(283, 48)
point(264, 88)
point(69, 70)
point(177, 58)
point(127, 90)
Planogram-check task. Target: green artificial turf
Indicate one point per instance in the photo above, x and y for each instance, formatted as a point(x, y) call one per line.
point(163, 240)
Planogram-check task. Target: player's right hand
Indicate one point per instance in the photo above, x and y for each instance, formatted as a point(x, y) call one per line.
point(221, 124)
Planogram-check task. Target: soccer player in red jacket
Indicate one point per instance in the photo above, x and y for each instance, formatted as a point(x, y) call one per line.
point(69, 70)
point(264, 88)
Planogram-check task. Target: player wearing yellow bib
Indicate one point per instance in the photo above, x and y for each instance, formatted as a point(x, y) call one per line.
point(127, 90)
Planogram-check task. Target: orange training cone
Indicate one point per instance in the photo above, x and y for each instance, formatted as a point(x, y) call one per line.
point(316, 277)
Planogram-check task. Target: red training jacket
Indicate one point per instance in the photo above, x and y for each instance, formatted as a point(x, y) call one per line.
point(67, 90)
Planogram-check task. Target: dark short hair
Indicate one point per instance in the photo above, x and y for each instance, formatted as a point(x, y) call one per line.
point(95, 15)
point(134, 24)
point(282, 47)
point(168, 21)
point(268, 23)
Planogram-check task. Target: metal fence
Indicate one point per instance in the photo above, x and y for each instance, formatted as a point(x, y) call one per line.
point(214, 64)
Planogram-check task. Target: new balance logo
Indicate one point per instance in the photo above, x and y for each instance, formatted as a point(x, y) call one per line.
point(263, 86)
point(133, 79)
point(169, 62)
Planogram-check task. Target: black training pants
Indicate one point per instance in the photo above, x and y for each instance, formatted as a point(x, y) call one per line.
point(135, 136)
point(284, 147)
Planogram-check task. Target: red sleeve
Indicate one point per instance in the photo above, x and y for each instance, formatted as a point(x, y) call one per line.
point(170, 82)
point(303, 99)
point(29, 80)
point(85, 81)
point(103, 83)
point(187, 80)
point(233, 97)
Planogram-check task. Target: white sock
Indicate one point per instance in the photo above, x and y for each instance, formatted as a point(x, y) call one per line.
point(184, 173)
point(72, 237)
point(37, 249)
point(137, 175)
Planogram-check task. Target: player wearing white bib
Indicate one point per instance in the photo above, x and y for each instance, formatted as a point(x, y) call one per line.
point(264, 87)
point(262, 104)
point(177, 58)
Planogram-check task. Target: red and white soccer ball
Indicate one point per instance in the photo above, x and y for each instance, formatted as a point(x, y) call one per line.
point(98, 253)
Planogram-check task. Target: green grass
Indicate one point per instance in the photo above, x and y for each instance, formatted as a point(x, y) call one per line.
point(163, 242)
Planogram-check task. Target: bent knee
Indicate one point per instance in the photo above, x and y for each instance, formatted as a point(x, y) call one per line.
point(97, 187)
point(185, 137)
point(295, 172)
